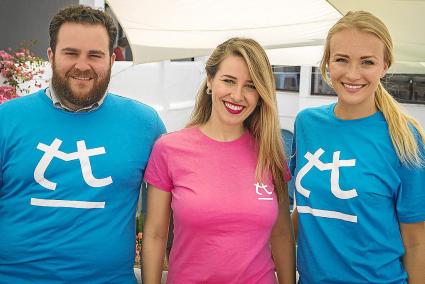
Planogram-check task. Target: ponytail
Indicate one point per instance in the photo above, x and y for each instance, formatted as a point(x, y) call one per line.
point(400, 128)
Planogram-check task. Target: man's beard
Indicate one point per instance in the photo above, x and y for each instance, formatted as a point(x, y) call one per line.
point(78, 100)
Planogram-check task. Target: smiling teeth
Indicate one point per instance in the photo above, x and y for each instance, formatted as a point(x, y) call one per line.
point(353, 86)
point(233, 107)
point(84, 79)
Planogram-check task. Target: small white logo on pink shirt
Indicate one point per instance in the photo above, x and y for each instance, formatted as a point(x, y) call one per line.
point(262, 191)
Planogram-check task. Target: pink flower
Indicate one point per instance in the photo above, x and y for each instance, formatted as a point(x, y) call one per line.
point(19, 67)
point(19, 54)
point(8, 63)
point(7, 93)
point(5, 56)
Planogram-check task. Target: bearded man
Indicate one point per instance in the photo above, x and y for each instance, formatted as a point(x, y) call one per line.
point(72, 160)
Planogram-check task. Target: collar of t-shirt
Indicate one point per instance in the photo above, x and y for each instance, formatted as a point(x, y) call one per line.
point(50, 92)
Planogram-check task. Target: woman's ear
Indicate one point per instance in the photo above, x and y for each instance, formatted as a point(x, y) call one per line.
point(209, 83)
point(384, 72)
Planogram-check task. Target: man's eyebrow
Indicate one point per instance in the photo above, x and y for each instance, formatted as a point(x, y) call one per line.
point(92, 51)
point(69, 49)
point(99, 52)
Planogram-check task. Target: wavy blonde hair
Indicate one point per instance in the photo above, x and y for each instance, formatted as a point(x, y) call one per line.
point(263, 122)
point(401, 126)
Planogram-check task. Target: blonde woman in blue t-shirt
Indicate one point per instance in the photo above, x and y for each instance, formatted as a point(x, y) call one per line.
point(359, 169)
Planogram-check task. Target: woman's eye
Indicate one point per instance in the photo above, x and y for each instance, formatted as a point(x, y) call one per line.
point(368, 62)
point(228, 81)
point(251, 87)
point(341, 60)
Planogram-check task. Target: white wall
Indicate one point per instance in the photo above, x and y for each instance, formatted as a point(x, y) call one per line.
point(417, 111)
point(98, 4)
point(169, 87)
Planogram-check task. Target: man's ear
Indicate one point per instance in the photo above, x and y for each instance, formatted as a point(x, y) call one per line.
point(50, 55)
point(113, 58)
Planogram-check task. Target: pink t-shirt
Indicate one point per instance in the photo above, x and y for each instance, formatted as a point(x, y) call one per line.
point(223, 217)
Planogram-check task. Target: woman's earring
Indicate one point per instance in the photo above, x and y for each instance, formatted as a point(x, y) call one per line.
point(209, 92)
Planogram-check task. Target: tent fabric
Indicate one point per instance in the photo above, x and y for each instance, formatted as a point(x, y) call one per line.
point(293, 31)
point(161, 29)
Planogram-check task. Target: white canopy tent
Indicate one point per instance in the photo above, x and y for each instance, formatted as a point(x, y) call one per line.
point(169, 29)
point(292, 30)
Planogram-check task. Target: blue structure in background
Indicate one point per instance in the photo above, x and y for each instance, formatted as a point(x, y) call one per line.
point(287, 137)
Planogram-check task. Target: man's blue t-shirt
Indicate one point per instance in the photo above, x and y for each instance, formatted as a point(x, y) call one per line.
point(351, 193)
point(69, 186)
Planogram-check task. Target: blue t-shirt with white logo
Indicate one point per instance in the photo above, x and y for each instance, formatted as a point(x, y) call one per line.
point(69, 186)
point(351, 193)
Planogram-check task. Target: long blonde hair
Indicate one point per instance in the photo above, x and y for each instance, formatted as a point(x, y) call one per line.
point(399, 124)
point(263, 122)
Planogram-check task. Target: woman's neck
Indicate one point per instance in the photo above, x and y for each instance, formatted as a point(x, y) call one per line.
point(350, 112)
point(220, 133)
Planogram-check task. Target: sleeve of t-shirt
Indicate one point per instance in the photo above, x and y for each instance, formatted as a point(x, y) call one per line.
point(158, 172)
point(160, 125)
point(410, 202)
point(287, 174)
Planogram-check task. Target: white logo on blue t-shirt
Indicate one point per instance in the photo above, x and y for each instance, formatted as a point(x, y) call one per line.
point(314, 161)
point(83, 155)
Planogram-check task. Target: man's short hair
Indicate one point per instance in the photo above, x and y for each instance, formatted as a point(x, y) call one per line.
point(80, 14)
point(122, 42)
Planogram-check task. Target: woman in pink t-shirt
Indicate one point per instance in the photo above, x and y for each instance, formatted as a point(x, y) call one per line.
point(224, 178)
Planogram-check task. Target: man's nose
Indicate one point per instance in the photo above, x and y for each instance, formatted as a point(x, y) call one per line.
point(82, 64)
